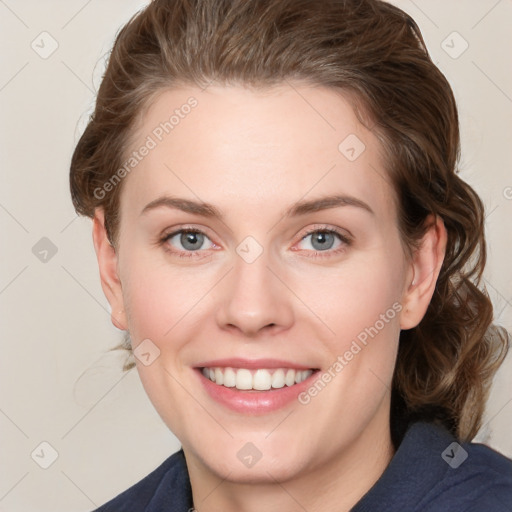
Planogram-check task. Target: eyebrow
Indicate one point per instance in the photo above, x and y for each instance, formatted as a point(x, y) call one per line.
point(299, 208)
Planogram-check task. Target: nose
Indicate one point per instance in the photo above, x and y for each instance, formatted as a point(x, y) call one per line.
point(254, 298)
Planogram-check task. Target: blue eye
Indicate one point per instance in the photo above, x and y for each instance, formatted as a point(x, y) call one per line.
point(191, 240)
point(323, 240)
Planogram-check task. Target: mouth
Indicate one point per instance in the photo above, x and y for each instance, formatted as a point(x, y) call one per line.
point(254, 387)
point(261, 379)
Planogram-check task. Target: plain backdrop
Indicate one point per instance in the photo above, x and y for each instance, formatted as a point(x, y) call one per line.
point(59, 384)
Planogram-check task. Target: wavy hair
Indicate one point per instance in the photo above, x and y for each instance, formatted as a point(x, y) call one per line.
point(374, 54)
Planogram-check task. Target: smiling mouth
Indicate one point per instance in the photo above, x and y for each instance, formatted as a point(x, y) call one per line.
point(263, 379)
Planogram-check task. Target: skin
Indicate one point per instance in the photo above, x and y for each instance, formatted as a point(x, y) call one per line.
point(252, 155)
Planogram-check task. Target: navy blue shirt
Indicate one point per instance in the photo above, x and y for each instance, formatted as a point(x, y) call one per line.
point(430, 472)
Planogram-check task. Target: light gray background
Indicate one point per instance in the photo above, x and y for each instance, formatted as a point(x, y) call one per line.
point(58, 383)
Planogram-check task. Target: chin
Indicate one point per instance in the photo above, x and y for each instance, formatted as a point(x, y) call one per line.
point(249, 466)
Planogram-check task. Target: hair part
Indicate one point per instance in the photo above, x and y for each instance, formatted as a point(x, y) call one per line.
point(373, 53)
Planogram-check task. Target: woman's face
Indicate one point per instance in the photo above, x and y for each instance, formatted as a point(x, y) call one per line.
point(293, 270)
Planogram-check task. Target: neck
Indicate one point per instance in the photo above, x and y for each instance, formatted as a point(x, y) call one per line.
point(336, 483)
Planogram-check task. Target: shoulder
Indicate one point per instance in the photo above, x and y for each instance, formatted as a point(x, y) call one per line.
point(477, 479)
point(168, 483)
point(433, 472)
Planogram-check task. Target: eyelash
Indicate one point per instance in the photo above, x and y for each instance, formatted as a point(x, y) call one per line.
point(316, 254)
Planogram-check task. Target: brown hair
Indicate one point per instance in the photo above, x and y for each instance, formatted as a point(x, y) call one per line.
point(374, 52)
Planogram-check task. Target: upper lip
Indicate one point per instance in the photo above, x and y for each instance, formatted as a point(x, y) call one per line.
point(236, 362)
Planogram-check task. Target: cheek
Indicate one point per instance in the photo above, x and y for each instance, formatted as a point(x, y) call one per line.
point(161, 297)
point(157, 300)
point(149, 294)
point(365, 293)
point(362, 309)
point(362, 306)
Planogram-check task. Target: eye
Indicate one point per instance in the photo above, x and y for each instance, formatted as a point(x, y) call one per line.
point(186, 241)
point(323, 240)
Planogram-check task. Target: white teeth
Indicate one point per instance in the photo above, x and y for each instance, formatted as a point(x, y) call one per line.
point(243, 379)
point(289, 380)
point(219, 377)
point(261, 379)
point(278, 379)
point(229, 378)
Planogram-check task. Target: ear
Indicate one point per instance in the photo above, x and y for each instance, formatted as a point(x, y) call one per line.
point(107, 262)
point(425, 267)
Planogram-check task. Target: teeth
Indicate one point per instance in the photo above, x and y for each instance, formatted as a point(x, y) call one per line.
point(261, 379)
point(219, 376)
point(289, 380)
point(278, 379)
point(229, 378)
point(243, 379)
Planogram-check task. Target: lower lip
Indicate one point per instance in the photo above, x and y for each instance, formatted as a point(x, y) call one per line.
point(254, 402)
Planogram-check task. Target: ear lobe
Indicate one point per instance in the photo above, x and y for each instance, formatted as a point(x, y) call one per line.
point(425, 267)
point(107, 262)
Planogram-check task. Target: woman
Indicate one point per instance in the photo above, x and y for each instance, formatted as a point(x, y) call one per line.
point(281, 231)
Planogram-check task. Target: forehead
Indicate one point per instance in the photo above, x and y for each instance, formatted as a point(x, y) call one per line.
point(237, 147)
